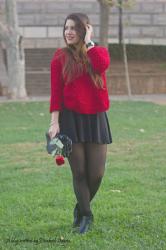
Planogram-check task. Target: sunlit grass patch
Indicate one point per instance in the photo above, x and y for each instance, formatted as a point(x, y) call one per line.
point(37, 197)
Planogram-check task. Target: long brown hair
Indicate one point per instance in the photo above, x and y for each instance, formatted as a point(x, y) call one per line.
point(76, 61)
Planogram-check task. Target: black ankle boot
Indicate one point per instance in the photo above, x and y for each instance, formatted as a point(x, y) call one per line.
point(77, 216)
point(85, 223)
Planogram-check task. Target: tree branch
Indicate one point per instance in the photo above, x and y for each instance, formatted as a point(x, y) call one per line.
point(8, 33)
point(124, 4)
point(4, 33)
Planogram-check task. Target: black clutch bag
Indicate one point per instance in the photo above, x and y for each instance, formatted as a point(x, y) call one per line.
point(59, 145)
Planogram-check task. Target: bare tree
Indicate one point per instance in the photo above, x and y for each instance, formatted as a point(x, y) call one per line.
point(9, 34)
point(104, 26)
point(122, 42)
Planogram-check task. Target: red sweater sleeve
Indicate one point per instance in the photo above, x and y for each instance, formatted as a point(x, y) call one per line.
point(56, 97)
point(99, 58)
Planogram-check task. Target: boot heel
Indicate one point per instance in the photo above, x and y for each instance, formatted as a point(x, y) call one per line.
point(86, 223)
point(77, 216)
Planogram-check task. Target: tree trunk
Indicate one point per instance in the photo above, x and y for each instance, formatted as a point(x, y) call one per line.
point(120, 22)
point(128, 84)
point(126, 70)
point(104, 26)
point(3, 74)
point(104, 23)
point(15, 55)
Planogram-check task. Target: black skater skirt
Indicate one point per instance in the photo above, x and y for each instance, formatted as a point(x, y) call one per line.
point(85, 128)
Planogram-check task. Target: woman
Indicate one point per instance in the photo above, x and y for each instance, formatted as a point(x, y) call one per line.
point(78, 104)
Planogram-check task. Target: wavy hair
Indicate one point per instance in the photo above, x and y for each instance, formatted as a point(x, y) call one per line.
point(77, 61)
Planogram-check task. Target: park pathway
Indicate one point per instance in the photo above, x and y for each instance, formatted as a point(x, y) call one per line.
point(155, 98)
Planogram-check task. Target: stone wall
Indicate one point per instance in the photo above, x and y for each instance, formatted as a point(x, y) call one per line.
point(41, 24)
point(41, 21)
point(146, 77)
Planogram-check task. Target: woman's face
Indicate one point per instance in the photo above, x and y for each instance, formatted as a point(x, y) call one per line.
point(70, 32)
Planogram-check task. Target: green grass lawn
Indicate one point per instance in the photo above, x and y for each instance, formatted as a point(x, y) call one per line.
point(37, 199)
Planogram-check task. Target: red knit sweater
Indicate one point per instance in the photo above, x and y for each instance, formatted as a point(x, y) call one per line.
point(81, 95)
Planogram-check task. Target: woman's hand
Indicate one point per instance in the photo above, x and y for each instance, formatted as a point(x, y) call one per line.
point(54, 125)
point(53, 130)
point(88, 35)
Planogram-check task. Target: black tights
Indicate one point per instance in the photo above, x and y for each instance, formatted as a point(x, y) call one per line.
point(87, 162)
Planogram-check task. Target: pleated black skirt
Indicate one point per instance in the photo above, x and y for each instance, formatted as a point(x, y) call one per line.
point(85, 128)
